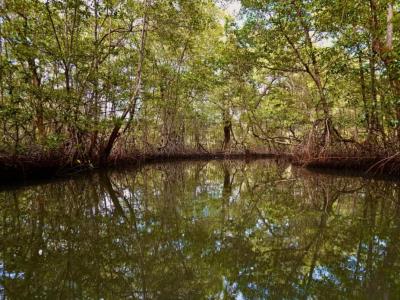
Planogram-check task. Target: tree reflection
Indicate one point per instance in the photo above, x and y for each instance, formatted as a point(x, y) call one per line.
point(202, 230)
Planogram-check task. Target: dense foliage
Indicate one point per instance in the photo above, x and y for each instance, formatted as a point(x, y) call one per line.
point(94, 78)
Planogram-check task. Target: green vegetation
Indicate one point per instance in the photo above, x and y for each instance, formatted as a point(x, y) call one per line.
point(90, 81)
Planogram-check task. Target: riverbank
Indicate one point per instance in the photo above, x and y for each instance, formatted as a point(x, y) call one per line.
point(372, 166)
point(20, 168)
point(14, 168)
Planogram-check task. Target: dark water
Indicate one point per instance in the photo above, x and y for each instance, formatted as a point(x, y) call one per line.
point(197, 230)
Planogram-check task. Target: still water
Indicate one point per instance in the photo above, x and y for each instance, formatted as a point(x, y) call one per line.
point(202, 230)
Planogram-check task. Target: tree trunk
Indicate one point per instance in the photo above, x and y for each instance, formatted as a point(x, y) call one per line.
point(133, 100)
point(36, 82)
point(389, 27)
point(363, 87)
point(227, 134)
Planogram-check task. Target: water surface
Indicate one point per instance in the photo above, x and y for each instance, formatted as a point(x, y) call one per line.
point(201, 230)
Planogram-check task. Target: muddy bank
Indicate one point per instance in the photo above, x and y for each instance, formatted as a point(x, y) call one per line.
point(19, 168)
point(379, 166)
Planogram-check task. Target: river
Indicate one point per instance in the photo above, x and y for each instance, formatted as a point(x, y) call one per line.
point(201, 230)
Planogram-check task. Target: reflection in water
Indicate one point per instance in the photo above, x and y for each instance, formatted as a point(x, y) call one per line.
point(201, 230)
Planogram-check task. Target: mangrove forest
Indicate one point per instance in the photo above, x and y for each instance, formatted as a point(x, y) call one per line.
point(89, 83)
point(199, 149)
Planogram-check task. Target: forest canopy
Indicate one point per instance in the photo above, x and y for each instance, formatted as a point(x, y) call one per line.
point(92, 79)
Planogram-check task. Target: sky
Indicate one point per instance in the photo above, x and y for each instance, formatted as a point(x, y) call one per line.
point(232, 7)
